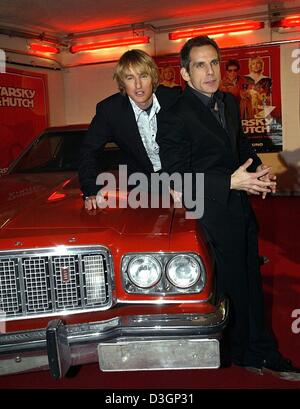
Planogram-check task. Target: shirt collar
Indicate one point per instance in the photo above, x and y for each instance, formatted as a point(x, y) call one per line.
point(204, 98)
point(207, 101)
point(138, 111)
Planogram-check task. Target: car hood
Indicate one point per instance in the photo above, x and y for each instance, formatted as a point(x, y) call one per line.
point(54, 201)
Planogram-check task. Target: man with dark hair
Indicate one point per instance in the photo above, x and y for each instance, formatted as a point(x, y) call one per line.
point(232, 63)
point(232, 82)
point(128, 118)
point(202, 133)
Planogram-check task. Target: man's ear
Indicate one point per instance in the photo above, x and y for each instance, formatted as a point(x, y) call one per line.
point(185, 75)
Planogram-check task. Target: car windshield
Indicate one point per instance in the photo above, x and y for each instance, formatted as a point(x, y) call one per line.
point(59, 151)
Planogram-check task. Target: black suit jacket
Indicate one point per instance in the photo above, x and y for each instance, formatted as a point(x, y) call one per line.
point(115, 121)
point(192, 140)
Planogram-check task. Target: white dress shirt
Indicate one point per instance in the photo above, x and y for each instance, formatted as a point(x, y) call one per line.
point(147, 125)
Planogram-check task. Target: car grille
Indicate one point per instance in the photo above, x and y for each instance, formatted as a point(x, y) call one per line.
point(46, 281)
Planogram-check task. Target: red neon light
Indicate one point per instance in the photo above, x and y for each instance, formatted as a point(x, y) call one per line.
point(56, 196)
point(43, 48)
point(291, 21)
point(217, 29)
point(108, 44)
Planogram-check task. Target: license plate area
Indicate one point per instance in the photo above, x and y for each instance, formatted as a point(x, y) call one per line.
point(142, 355)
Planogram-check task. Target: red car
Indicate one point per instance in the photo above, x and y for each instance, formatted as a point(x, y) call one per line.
point(132, 289)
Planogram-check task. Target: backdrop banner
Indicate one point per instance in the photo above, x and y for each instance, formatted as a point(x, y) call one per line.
point(23, 112)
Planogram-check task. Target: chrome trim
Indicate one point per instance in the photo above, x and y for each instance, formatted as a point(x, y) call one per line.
point(62, 250)
point(163, 301)
point(59, 353)
point(27, 350)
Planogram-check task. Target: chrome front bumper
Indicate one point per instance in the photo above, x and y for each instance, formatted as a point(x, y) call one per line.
point(141, 342)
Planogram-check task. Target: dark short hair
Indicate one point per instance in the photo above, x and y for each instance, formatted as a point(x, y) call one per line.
point(199, 41)
point(232, 62)
point(140, 61)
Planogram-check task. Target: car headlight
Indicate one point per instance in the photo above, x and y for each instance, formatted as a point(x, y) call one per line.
point(183, 271)
point(144, 271)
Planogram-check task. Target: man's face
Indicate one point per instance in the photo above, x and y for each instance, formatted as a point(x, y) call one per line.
point(168, 74)
point(138, 86)
point(204, 75)
point(232, 72)
point(256, 66)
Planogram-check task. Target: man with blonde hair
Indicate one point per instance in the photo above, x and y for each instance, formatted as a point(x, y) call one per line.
point(257, 81)
point(128, 118)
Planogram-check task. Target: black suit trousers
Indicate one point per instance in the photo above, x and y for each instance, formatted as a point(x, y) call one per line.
point(232, 235)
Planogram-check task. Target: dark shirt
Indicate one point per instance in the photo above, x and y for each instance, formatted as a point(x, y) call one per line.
point(148, 110)
point(214, 103)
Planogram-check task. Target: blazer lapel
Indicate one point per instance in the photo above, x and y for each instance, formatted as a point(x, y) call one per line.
point(231, 123)
point(212, 125)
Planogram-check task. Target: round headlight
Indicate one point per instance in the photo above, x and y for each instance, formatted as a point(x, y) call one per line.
point(144, 271)
point(183, 271)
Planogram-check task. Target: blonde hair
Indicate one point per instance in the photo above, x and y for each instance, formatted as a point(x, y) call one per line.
point(140, 61)
point(256, 58)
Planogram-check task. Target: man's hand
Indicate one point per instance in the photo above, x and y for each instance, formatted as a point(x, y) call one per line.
point(94, 202)
point(90, 202)
point(253, 182)
point(268, 177)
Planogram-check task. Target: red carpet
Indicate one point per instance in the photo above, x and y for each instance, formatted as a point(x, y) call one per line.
point(279, 219)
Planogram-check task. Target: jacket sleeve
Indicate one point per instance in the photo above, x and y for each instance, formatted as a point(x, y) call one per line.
point(174, 146)
point(98, 134)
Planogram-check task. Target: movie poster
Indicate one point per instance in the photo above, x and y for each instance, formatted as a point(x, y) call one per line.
point(252, 75)
point(169, 71)
point(23, 112)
